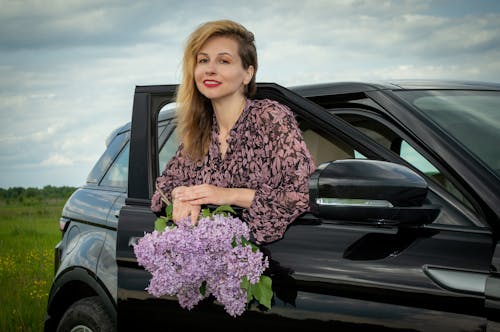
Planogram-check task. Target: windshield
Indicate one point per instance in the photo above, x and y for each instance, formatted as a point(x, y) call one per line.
point(471, 117)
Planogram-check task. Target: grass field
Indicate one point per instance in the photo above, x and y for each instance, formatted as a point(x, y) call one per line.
point(28, 234)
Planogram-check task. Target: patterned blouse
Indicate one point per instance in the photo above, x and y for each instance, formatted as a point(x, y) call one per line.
point(266, 152)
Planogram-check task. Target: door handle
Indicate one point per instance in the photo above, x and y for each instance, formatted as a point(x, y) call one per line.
point(456, 280)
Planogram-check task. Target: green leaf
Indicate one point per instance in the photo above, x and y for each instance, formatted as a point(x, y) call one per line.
point(262, 291)
point(206, 213)
point(160, 224)
point(224, 210)
point(244, 241)
point(203, 288)
point(245, 284)
point(168, 211)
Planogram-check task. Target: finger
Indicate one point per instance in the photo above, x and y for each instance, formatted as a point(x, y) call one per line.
point(195, 212)
point(177, 215)
point(180, 211)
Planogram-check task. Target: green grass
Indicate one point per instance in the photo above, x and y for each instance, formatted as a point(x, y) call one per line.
point(28, 235)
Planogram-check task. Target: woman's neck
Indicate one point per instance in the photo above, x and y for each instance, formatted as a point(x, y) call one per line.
point(228, 111)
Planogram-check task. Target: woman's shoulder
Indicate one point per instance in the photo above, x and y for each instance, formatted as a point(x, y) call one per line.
point(267, 111)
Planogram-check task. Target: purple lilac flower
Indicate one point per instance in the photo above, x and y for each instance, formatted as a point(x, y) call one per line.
point(181, 258)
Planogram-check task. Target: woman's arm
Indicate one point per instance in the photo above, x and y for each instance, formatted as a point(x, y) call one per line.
point(284, 194)
point(210, 194)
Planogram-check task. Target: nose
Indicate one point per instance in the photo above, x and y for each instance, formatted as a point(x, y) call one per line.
point(210, 68)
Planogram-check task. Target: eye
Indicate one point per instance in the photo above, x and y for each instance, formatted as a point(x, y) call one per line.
point(224, 59)
point(202, 60)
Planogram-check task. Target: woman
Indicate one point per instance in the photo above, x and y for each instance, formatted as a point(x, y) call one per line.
point(234, 150)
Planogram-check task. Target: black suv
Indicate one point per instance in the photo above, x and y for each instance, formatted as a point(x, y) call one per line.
point(402, 234)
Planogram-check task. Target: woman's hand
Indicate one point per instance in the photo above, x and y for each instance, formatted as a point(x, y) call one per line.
point(182, 210)
point(203, 194)
point(210, 194)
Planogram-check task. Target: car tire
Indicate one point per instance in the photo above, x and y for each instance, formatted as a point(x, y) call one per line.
point(87, 315)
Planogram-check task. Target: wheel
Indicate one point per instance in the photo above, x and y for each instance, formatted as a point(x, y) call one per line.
point(86, 315)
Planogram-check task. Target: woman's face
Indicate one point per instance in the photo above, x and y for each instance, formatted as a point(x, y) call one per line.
point(219, 73)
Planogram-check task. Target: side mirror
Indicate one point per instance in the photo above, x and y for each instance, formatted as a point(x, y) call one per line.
point(370, 192)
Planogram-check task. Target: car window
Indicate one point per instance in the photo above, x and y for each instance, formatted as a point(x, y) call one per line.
point(392, 141)
point(117, 174)
point(167, 151)
point(107, 157)
point(412, 156)
point(472, 118)
point(325, 148)
point(408, 153)
point(322, 147)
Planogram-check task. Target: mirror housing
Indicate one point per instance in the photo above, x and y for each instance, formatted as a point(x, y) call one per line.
point(370, 192)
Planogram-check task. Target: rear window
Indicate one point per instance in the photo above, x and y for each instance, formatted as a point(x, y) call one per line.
point(108, 156)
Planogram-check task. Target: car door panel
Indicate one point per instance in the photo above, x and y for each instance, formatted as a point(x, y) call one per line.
point(388, 294)
point(394, 286)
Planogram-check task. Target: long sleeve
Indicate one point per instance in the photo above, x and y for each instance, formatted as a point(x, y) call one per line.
point(284, 193)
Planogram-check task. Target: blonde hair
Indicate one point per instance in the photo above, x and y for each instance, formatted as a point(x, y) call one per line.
point(194, 110)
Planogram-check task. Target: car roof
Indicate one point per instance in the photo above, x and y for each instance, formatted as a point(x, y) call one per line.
point(339, 88)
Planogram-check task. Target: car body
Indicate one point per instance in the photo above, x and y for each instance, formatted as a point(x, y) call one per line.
point(402, 235)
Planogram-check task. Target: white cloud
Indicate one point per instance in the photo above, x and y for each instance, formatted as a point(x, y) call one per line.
point(68, 69)
point(57, 160)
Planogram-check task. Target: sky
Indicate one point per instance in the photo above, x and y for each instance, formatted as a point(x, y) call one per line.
point(68, 68)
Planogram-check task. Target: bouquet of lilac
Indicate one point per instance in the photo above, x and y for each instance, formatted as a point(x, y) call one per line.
point(214, 257)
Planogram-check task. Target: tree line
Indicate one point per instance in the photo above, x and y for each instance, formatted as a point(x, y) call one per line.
point(34, 195)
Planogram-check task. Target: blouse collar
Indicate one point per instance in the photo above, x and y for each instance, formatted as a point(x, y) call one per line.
point(234, 131)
